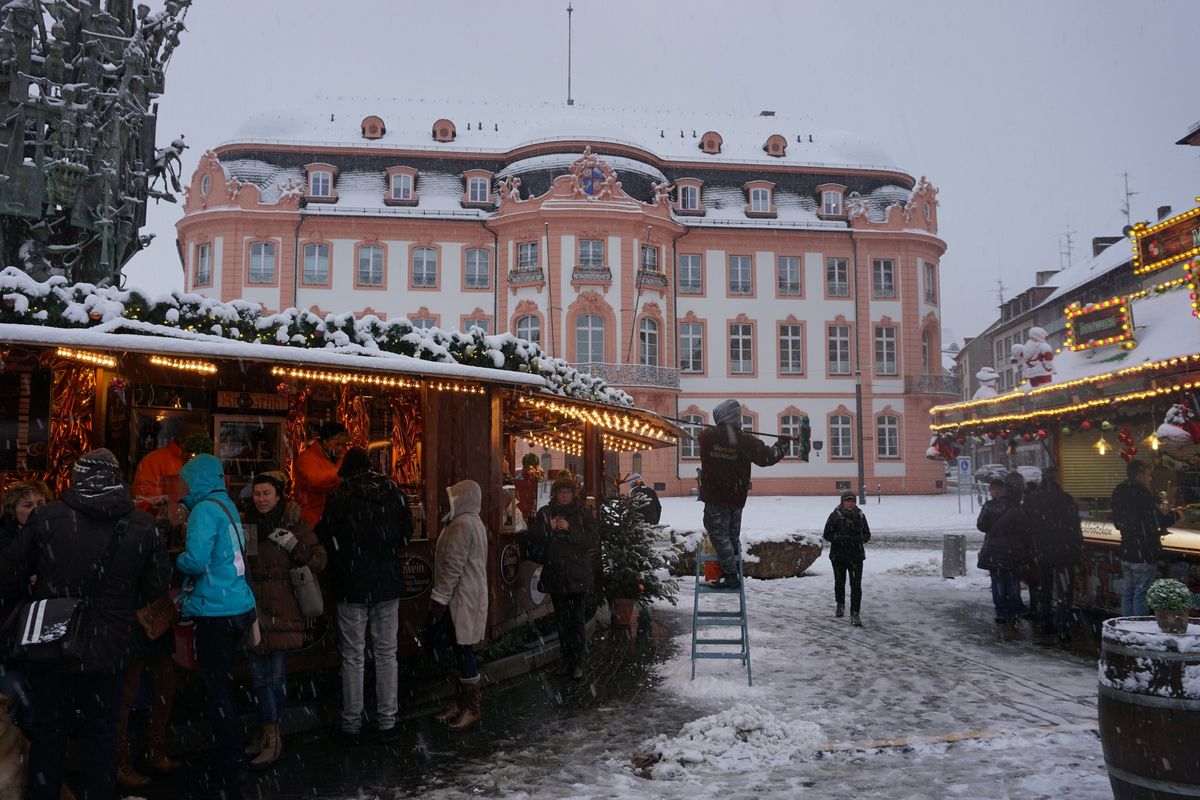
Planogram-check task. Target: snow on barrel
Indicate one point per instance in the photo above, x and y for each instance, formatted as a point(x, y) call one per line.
point(1150, 709)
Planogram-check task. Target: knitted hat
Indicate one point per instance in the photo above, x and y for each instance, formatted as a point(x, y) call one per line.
point(96, 472)
point(564, 481)
point(355, 462)
point(634, 478)
point(849, 496)
point(275, 478)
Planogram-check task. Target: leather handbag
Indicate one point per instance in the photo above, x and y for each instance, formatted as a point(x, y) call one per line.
point(158, 616)
point(308, 592)
point(48, 630)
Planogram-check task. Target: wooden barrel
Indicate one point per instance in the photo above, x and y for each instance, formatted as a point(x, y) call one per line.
point(1150, 709)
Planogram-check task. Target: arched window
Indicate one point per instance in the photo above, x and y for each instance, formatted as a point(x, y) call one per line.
point(690, 444)
point(316, 263)
point(589, 339)
point(648, 336)
point(789, 425)
point(841, 443)
point(479, 269)
point(424, 267)
point(887, 436)
point(370, 266)
point(529, 328)
point(477, 190)
point(262, 262)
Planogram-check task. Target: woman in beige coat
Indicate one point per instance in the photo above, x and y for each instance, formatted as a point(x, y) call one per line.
point(460, 587)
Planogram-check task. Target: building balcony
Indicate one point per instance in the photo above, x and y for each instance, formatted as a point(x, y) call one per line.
point(932, 384)
point(647, 277)
point(632, 374)
point(589, 273)
point(523, 276)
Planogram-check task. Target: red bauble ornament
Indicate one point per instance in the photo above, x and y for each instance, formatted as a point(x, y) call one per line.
point(1127, 456)
point(1003, 434)
point(962, 440)
point(992, 435)
point(1132, 450)
point(1041, 434)
point(1086, 426)
point(1027, 437)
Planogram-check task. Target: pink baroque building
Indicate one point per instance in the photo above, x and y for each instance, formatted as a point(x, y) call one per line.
point(686, 261)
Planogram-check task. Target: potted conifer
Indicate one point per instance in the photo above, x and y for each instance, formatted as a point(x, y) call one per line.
point(1171, 601)
point(629, 561)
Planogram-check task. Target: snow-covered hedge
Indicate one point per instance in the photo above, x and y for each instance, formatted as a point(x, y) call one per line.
point(61, 305)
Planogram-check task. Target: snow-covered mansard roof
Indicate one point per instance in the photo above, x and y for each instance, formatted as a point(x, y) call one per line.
point(502, 127)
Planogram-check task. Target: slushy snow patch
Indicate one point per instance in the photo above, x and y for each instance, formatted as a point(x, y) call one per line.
point(744, 739)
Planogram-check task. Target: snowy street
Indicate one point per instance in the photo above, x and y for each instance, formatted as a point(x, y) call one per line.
point(928, 700)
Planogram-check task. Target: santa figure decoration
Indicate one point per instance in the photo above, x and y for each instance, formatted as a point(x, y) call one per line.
point(941, 448)
point(1036, 358)
point(988, 378)
point(1182, 423)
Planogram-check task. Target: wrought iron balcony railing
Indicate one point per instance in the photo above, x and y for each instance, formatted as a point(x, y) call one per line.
point(932, 384)
point(632, 374)
point(524, 275)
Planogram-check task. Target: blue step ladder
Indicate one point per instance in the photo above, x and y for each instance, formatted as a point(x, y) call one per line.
point(721, 620)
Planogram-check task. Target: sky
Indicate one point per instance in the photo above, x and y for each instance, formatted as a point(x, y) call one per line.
point(1025, 114)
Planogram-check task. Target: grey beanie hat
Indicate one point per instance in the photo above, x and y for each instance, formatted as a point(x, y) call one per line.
point(729, 411)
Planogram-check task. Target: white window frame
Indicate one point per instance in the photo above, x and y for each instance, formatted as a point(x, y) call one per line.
point(425, 271)
point(841, 436)
point(402, 186)
point(791, 349)
point(743, 264)
point(529, 328)
point(527, 255)
point(320, 183)
point(789, 425)
point(930, 281)
point(650, 262)
point(691, 273)
point(313, 252)
point(589, 339)
point(783, 283)
point(648, 342)
point(748, 423)
point(484, 325)
point(886, 357)
point(741, 348)
point(691, 347)
point(369, 266)
point(834, 267)
point(760, 200)
point(478, 274)
point(693, 425)
point(887, 436)
point(423, 323)
point(883, 277)
point(689, 197)
point(259, 254)
point(591, 253)
point(203, 263)
point(837, 340)
point(831, 202)
point(478, 190)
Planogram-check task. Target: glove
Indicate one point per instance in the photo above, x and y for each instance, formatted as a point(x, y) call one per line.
point(284, 538)
point(436, 608)
point(781, 445)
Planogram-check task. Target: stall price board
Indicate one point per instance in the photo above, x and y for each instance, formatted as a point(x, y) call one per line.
point(1165, 243)
point(1099, 324)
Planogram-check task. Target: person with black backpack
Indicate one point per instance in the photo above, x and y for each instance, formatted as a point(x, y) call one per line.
point(97, 559)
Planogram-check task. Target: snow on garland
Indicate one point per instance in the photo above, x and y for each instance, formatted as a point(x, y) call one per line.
point(58, 304)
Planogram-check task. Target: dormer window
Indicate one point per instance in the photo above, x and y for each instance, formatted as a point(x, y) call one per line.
point(401, 187)
point(761, 201)
point(711, 143)
point(775, 146)
point(444, 131)
point(478, 187)
point(322, 183)
point(372, 128)
point(832, 200)
point(688, 199)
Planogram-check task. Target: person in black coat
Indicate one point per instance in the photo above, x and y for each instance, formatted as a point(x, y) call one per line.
point(1140, 519)
point(847, 532)
point(66, 545)
point(18, 504)
point(650, 508)
point(1005, 550)
point(1053, 517)
point(563, 536)
point(365, 524)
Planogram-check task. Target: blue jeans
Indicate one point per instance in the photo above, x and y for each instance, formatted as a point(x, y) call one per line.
point(269, 678)
point(724, 527)
point(218, 641)
point(1006, 593)
point(1135, 580)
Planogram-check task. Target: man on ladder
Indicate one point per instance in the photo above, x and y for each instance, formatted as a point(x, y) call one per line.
point(726, 453)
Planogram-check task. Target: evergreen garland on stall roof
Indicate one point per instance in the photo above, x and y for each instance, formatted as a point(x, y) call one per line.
point(55, 303)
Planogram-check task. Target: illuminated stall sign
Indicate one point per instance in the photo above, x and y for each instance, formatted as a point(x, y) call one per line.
point(1165, 243)
point(1098, 324)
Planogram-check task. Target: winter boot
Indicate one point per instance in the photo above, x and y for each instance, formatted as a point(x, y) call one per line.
point(255, 746)
point(855, 620)
point(127, 776)
point(272, 747)
point(840, 611)
point(725, 582)
point(472, 707)
point(156, 749)
point(455, 708)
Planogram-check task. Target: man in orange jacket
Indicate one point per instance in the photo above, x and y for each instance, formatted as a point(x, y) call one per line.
point(157, 476)
point(317, 470)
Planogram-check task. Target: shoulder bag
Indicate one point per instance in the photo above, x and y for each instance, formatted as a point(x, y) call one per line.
point(48, 630)
point(308, 592)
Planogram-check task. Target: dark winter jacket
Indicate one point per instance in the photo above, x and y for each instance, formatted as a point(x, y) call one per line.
point(992, 510)
point(270, 574)
point(15, 591)
point(726, 453)
point(1052, 518)
point(1006, 544)
point(567, 556)
point(847, 532)
point(62, 542)
point(365, 525)
point(651, 508)
point(1136, 515)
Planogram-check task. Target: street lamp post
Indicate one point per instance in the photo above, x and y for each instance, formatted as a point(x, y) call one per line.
point(858, 397)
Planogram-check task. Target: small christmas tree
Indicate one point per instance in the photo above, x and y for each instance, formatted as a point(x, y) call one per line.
point(629, 562)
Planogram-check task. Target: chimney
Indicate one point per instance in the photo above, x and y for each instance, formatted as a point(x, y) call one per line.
point(1043, 277)
point(1163, 212)
point(1102, 243)
point(766, 113)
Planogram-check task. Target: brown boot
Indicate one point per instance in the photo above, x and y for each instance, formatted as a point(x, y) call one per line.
point(455, 708)
point(272, 747)
point(472, 707)
point(127, 776)
point(256, 743)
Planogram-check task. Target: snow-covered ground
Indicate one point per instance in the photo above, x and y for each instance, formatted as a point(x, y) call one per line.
point(927, 700)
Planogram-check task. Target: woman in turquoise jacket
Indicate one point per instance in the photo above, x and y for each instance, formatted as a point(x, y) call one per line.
point(219, 602)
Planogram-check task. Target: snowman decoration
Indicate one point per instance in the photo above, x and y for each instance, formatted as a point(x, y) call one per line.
point(1036, 358)
point(988, 378)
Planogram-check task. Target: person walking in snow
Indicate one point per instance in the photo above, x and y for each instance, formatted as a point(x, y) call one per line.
point(847, 532)
point(726, 453)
